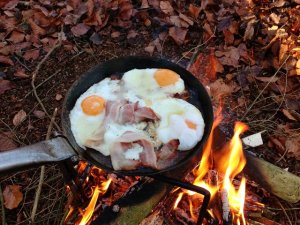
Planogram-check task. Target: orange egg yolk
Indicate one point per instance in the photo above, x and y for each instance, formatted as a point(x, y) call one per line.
point(93, 105)
point(191, 125)
point(165, 77)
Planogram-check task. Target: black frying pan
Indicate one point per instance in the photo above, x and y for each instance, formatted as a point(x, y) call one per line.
point(59, 148)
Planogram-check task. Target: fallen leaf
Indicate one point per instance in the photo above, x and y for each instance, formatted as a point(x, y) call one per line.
point(145, 4)
point(21, 73)
point(228, 37)
point(154, 3)
point(249, 30)
point(58, 97)
point(278, 143)
point(115, 34)
point(6, 60)
point(267, 79)
point(275, 18)
point(293, 147)
point(131, 34)
point(5, 85)
point(178, 34)
point(194, 10)
point(150, 49)
point(283, 52)
point(6, 142)
point(16, 37)
point(206, 67)
point(230, 56)
point(39, 114)
point(36, 29)
point(80, 29)
point(166, 7)
point(288, 115)
point(10, 5)
point(278, 3)
point(31, 54)
point(220, 89)
point(19, 117)
point(125, 10)
point(12, 196)
point(95, 38)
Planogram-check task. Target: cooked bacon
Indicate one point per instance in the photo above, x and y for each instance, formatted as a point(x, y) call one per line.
point(166, 154)
point(147, 157)
point(124, 112)
point(145, 113)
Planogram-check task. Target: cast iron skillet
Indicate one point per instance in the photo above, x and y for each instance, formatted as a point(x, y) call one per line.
point(59, 149)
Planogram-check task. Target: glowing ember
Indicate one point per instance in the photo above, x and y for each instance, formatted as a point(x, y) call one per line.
point(99, 190)
point(226, 163)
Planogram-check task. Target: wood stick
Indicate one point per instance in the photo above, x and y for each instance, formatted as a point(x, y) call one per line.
point(42, 173)
point(277, 181)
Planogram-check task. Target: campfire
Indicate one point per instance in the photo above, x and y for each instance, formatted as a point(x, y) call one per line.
point(219, 172)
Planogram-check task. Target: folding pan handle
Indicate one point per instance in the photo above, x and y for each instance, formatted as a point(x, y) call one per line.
point(53, 150)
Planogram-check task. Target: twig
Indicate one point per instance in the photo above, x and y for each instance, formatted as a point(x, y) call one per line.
point(285, 213)
point(57, 44)
point(258, 96)
point(40, 84)
point(2, 207)
point(42, 174)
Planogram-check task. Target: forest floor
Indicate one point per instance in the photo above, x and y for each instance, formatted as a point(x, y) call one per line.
point(246, 51)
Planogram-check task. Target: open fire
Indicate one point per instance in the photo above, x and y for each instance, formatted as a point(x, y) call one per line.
point(217, 172)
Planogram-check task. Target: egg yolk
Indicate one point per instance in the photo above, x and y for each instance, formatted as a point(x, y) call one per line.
point(93, 105)
point(165, 77)
point(191, 125)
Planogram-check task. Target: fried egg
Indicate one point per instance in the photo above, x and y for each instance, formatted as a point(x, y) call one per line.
point(148, 85)
point(88, 113)
point(179, 120)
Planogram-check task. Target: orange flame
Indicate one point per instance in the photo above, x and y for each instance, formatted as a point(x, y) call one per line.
point(229, 162)
point(101, 189)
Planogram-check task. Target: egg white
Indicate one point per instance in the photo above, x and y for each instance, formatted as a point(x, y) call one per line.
point(141, 86)
point(173, 114)
point(85, 126)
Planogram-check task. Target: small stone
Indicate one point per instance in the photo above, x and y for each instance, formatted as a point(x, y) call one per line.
point(58, 97)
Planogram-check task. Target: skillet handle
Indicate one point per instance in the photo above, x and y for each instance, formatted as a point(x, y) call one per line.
point(53, 150)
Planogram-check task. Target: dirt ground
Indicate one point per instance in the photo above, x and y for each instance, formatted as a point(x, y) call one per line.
point(64, 66)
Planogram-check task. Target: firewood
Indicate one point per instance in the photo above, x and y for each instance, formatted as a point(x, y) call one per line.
point(277, 181)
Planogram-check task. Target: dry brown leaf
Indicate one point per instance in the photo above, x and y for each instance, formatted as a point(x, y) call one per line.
point(39, 114)
point(80, 29)
point(115, 34)
point(95, 38)
point(31, 54)
point(19, 117)
point(267, 79)
point(228, 36)
point(12, 196)
point(220, 89)
point(154, 3)
point(5, 85)
point(194, 10)
point(126, 10)
point(58, 97)
point(6, 142)
point(166, 7)
point(36, 29)
point(275, 18)
point(278, 3)
point(178, 34)
point(10, 4)
point(6, 60)
point(21, 73)
point(249, 30)
point(230, 56)
point(206, 67)
point(283, 52)
point(186, 19)
point(288, 115)
point(16, 37)
point(131, 34)
point(293, 147)
point(145, 4)
point(150, 49)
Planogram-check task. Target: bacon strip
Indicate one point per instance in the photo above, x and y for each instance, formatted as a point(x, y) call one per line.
point(147, 157)
point(166, 154)
point(124, 112)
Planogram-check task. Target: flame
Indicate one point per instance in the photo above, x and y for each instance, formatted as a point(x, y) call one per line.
point(229, 162)
point(100, 189)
